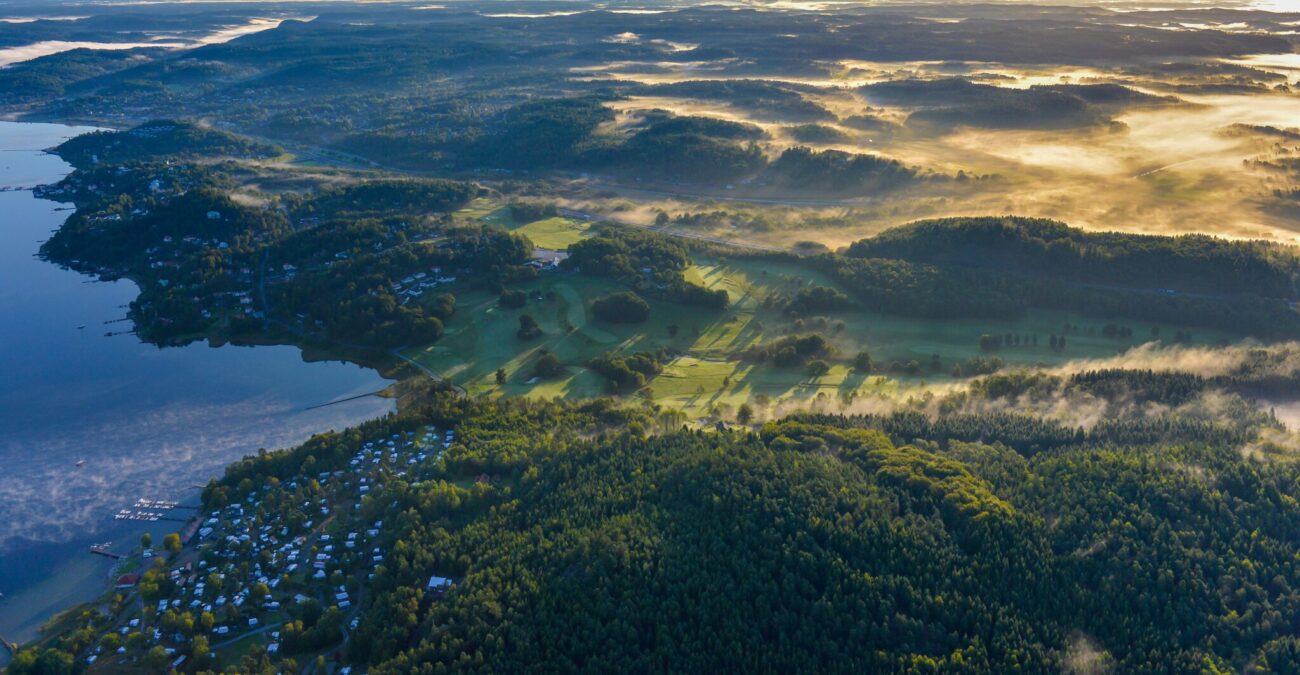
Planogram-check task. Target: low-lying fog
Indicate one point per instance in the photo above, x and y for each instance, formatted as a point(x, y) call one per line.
point(1170, 168)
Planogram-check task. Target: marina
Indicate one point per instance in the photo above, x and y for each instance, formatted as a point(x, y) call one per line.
point(151, 510)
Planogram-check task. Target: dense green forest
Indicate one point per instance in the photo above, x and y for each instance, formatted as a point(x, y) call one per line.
point(820, 543)
point(1000, 267)
point(386, 198)
point(156, 139)
point(1190, 263)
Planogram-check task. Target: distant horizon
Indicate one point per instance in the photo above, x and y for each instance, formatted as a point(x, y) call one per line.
point(1274, 6)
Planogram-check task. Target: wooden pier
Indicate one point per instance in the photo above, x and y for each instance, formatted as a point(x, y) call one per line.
point(102, 549)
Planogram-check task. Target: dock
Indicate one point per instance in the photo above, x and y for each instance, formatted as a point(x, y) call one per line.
point(102, 549)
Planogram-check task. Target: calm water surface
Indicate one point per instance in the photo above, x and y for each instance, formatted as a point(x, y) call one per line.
point(148, 422)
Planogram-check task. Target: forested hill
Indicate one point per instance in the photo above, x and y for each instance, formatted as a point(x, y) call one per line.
point(156, 139)
point(587, 545)
point(1038, 247)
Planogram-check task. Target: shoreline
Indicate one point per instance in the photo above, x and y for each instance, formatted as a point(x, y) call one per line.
point(73, 576)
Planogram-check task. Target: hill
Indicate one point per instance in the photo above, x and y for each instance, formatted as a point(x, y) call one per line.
point(1038, 247)
point(158, 139)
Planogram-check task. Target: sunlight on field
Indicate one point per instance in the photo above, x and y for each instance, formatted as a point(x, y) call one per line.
point(710, 368)
point(554, 233)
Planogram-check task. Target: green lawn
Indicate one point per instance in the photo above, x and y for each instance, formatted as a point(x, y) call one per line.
point(231, 654)
point(481, 338)
point(484, 209)
point(554, 233)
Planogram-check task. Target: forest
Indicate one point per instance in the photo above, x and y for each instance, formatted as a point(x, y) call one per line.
point(999, 267)
point(1039, 247)
point(156, 139)
point(613, 538)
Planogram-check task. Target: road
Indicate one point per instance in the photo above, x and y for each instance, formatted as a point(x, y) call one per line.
point(243, 636)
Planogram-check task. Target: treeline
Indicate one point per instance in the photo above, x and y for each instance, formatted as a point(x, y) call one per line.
point(386, 198)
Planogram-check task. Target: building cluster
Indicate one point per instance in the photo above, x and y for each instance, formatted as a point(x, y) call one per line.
point(249, 567)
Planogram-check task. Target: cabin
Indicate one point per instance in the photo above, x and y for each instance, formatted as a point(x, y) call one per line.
point(439, 585)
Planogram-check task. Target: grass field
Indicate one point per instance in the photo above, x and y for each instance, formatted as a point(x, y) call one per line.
point(555, 233)
point(482, 338)
point(484, 209)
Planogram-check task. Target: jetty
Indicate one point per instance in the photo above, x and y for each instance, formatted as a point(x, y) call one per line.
point(102, 549)
point(10, 646)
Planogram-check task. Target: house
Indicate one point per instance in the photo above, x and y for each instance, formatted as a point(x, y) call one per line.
point(126, 582)
point(439, 585)
point(214, 215)
point(549, 257)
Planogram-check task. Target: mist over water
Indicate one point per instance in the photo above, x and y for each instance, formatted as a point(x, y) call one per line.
point(18, 54)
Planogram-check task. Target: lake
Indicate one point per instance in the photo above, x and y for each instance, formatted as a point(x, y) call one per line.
point(147, 422)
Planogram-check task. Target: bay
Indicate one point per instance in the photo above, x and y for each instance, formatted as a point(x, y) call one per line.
point(89, 424)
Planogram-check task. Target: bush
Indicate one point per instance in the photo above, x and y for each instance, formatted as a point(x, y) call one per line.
point(548, 366)
point(512, 299)
point(528, 328)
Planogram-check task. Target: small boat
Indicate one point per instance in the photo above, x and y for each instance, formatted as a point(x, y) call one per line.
point(81, 462)
point(81, 327)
